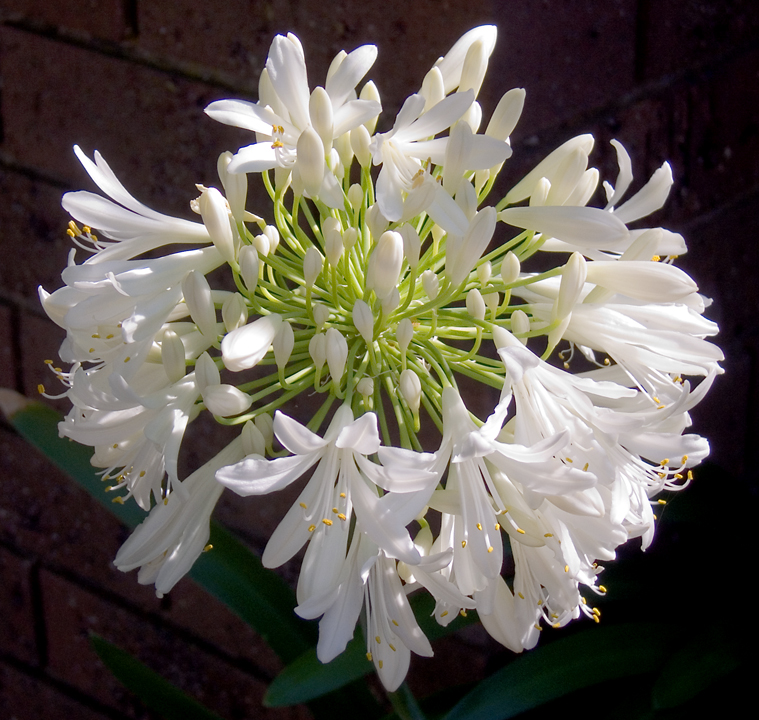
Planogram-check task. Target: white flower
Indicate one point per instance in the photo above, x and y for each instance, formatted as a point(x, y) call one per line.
point(167, 544)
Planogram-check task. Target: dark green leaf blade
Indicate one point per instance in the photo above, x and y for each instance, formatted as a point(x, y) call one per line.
point(155, 692)
point(554, 670)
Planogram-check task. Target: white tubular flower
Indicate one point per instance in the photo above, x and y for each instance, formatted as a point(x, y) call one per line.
point(132, 227)
point(246, 346)
point(344, 479)
point(463, 253)
point(167, 544)
point(280, 128)
point(452, 65)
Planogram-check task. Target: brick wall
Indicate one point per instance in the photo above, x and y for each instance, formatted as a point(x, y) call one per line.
point(672, 79)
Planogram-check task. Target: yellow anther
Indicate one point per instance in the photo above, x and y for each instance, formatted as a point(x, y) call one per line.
point(569, 459)
point(395, 623)
point(498, 526)
point(684, 460)
point(607, 362)
point(70, 233)
point(548, 535)
point(303, 505)
point(662, 502)
point(584, 601)
point(556, 625)
point(87, 229)
point(48, 362)
point(462, 612)
point(115, 445)
point(380, 663)
point(142, 473)
point(109, 337)
point(96, 336)
point(664, 462)
point(602, 589)
point(327, 522)
point(369, 656)
point(690, 474)
point(520, 531)
point(654, 516)
point(127, 359)
point(444, 613)
point(479, 527)
point(41, 389)
point(166, 501)
point(311, 528)
point(391, 647)
point(58, 370)
point(118, 500)
point(335, 510)
point(566, 568)
point(520, 595)
point(378, 639)
point(540, 602)
point(660, 407)
point(342, 495)
point(585, 467)
point(596, 618)
point(208, 548)
point(655, 399)
point(463, 543)
point(92, 350)
point(662, 475)
point(566, 366)
point(537, 627)
point(109, 488)
point(596, 612)
point(341, 516)
point(655, 258)
point(277, 144)
point(490, 549)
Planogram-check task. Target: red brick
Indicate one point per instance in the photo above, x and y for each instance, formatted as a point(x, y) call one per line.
point(23, 697)
point(97, 18)
point(679, 34)
point(34, 235)
point(73, 614)
point(148, 125)
point(17, 637)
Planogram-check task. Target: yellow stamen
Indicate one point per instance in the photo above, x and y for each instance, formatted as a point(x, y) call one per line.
point(327, 522)
point(208, 548)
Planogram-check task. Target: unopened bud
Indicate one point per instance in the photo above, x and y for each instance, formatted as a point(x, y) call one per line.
point(312, 266)
point(355, 196)
point(370, 92)
point(360, 141)
point(197, 296)
point(333, 240)
point(234, 312)
point(475, 305)
point(253, 442)
point(376, 221)
point(249, 263)
point(492, 300)
point(173, 356)
point(272, 234)
point(520, 324)
point(385, 264)
point(206, 372)
point(404, 333)
point(310, 162)
point(262, 244)
point(572, 282)
point(321, 315)
point(213, 210)
point(484, 273)
point(392, 301)
point(411, 389)
point(235, 186)
point(365, 388)
point(363, 320)
point(283, 344)
point(226, 400)
point(431, 284)
point(344, 149)
point(320, 110)
point(412, 245)
point(265, 424)
point(337, 354)
point(349, 238)
point(510, 268)
point(317, 349)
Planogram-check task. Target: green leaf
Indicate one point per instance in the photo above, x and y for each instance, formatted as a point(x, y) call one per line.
point(155, 692)
point(307, 678)
point(695, 667)
point(230, 572)
point(561, 667)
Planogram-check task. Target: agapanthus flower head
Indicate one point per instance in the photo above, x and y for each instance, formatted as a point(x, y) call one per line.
point(381, 276)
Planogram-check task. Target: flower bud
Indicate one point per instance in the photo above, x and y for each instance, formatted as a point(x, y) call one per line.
point(492, 300)
point(310, 162)
point(206, 372)
point(370, 92)
point(360, 141)
point(475, 66)
point(349, 238)
point(520, 325)
point(404, 334)
point(272, 234)
point(246, 346)
point(365, 388)
point(506, 114)
point(510, 268)
point(333, 241)
point(235, 186)
point(321, 314)
point(262, 244)
point(412, 245)
point(392, 301)
point(376, 221)
point(197, 296)
point(173, 356)
point(253, 442)
point(337, 354)
point(320, 110)
point(484, 273)
point(363, 320)
point(317, 348)
point(312, 266)
point(411, 389)
point(213, 210)
point(539, 195)
point(572, 282)
point(433, 88)
point(234, 312)
point(355, 196)
point(344, 149)
point(430, 283)
point(226, 400)
point(475, 305)
point(283, 344)
point(248, 259)
point(385, 264)
point(265, 424)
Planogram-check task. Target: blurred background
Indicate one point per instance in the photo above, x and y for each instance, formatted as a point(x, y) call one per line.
point(674, 80)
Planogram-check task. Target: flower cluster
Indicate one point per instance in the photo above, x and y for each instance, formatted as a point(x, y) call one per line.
point(382, 280)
